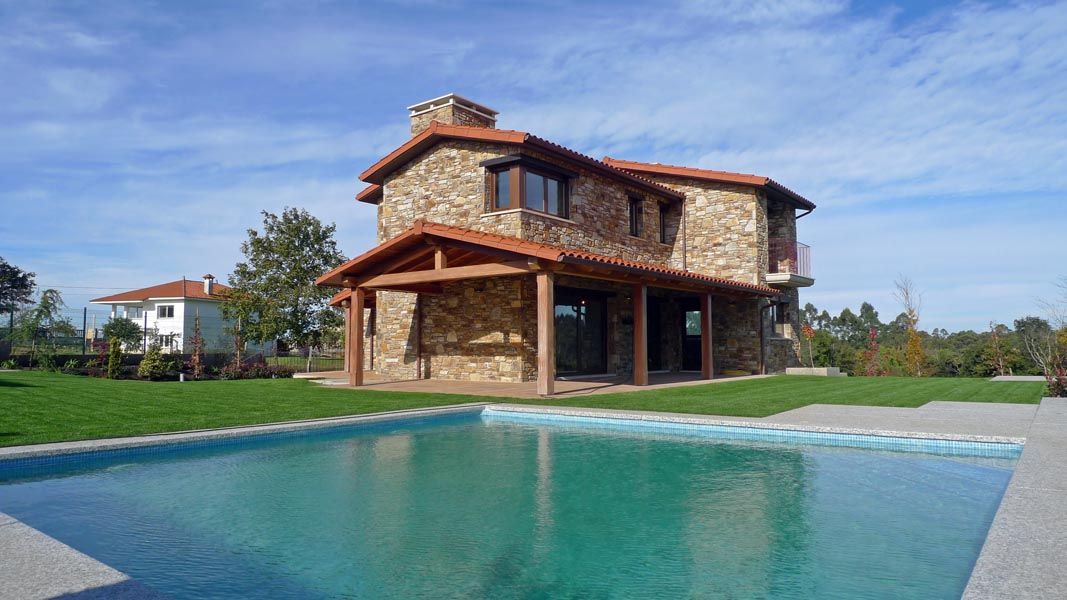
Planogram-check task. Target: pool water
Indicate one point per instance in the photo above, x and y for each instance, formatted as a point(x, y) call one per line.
point(477, 507)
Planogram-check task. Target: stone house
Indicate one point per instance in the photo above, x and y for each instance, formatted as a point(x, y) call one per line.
point(503, 256)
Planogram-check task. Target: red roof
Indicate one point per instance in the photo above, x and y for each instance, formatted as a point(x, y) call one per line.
point(372, 194)
point(709, 175)
point(438, 131)
point(182, 288)
point(414, 237)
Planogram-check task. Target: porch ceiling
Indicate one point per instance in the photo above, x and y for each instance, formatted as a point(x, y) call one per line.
point(429, 254)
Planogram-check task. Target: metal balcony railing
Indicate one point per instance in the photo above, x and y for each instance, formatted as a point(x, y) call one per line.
point(789, 256)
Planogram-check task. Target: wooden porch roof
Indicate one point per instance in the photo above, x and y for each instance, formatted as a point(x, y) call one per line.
point(422, 252)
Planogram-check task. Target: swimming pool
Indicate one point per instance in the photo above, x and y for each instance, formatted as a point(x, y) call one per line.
point(505, 505)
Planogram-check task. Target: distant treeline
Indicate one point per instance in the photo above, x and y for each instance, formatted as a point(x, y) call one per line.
point(863, 344)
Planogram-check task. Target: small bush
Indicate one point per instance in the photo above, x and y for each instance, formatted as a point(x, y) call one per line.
point(153, 365)
point(9, 364)
point(114, 358)
point(70, 367)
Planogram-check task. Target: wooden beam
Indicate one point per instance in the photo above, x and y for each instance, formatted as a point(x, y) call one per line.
point(707, 364)
point(355, 337)
point(640, 300)
point(546, 333)
point(440, 261)
point(448, 274)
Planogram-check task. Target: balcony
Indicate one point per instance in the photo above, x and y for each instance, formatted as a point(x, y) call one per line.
point(789, 263)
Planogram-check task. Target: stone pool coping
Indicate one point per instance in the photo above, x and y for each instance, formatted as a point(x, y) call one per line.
point(1020, 558)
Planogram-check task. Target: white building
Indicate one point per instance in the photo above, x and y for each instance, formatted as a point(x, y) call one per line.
point(168, 313)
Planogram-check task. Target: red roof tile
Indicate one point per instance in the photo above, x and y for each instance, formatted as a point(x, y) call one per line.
point(437, 131)
point(182, 288)
point(710, 175)
point(421, 229)
point(372, 194)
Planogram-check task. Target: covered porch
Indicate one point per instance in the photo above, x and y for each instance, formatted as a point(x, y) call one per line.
point(469, 306)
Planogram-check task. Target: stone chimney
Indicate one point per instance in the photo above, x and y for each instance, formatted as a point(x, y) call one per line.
point(450, 109)
point(209, 284)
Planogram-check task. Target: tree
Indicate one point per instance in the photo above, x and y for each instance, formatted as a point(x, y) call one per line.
point(911, 299)
point(1045, 341)
point(114, 358)
point(126, 331)
point(16, 287)
point(44, 322)
point(196, 360)
point(274, 293)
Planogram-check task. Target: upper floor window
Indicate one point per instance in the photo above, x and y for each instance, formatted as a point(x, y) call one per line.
point(637, 216)
point(664, 212)
point(523, 182)
point(165, 311)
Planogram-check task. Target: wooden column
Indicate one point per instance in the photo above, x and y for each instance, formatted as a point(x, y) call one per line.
point(345, 306)
point(546, 333)
point(707, 365)
point(355, 336)
point(640, 294)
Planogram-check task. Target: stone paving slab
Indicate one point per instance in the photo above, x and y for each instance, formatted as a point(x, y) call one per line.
point(983, 419)
point(36, 566)
point(1024, 552)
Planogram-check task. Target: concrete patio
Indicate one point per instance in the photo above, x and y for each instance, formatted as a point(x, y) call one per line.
point(579, 386)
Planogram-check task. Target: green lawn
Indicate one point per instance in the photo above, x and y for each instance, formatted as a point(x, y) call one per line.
point(40, 407)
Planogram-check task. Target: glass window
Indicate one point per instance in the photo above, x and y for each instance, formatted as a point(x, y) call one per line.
point(692, 323)
point(535, 191)
point(663, 212)
point(554, 193)
point(636, 216)
point(165, 311)
point(502, 193)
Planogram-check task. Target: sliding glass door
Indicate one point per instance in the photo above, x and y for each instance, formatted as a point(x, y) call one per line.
point(581, 332)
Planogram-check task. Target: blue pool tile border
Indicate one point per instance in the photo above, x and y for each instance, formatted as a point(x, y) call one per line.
point(21, 460)
point(969, 446)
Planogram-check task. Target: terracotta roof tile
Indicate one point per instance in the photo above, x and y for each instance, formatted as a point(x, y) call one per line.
point(421, 229)
point(710, 175)
point(377, 172)
point(182, 288)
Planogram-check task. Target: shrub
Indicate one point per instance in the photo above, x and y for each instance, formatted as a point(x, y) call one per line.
point(255, 370)
point(70, 367)
point(9, 364)
point(153, 365)
point(114, 358)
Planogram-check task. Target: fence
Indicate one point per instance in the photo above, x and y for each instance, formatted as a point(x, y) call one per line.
point(789, 256)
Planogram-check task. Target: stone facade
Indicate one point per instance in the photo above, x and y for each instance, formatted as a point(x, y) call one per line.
point(486, 329)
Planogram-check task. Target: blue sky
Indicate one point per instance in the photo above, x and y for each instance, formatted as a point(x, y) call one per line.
point(138, 141)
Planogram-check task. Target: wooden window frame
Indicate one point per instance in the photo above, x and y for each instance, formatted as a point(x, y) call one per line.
point(635, 212)
point(517, 166)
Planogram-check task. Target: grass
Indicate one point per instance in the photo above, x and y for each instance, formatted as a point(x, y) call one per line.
point(764, 397)
point(38, 407)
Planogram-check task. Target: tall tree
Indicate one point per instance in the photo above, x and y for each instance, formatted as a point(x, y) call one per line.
point(16, 287)
point(274, 293)
point(911, 299)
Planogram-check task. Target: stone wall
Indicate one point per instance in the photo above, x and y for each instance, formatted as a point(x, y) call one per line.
point(450, 115)
point(723, 229)
point(735, 335)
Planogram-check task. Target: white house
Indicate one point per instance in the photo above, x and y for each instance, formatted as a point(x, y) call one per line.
point(169, 311)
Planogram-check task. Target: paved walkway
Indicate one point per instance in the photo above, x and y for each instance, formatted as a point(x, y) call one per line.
point(496, 389)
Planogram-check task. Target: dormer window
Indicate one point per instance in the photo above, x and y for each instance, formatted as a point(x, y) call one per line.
point(522, 182)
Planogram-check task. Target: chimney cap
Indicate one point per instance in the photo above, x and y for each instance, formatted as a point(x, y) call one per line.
point(456, 99)
point(208, 276)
